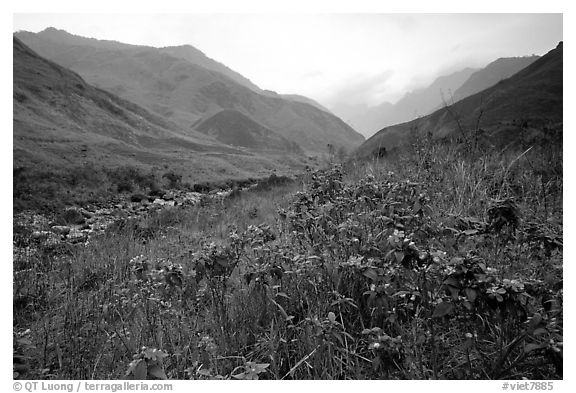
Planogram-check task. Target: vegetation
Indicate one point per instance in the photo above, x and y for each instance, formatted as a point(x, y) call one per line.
point(442, 261)
point(50, 190)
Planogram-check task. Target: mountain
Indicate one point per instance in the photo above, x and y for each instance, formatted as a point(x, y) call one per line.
point(529, 100)
point(417, 103)
point(423, 101)
point(236, 129)
point(61, 121)
point(305, 100)
point(491, 74)
point(186, 52)
point(195, 56)
point(173, 87)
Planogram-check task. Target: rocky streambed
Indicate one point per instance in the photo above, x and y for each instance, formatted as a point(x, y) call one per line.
point(76, 225)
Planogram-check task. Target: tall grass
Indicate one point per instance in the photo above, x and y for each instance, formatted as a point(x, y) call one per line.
point(435, 262)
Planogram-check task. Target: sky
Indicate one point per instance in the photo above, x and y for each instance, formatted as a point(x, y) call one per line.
point(335, 58)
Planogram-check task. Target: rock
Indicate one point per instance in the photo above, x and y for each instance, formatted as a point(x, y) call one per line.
point(86, 213)
point(157, 193)
point(160, 202)
point(72, 215)
point(40, 234)
point(104, 212)
point(137, 197)
point(76, 237)
point(119, 212)
point(53, 239)
point(61, 229)
point(223, 194)
point(168, 196)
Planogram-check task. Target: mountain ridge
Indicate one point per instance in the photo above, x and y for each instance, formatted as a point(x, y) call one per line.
point(493, 73)
point(528, 100)
point(413, 104)
point(61, 122)
point(185, 92)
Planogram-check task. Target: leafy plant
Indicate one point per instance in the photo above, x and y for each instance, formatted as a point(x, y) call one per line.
point(147, 365)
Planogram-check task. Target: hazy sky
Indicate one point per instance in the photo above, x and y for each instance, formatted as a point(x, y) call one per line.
point(333, 58)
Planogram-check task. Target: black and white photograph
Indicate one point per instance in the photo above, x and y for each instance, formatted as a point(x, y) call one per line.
point(286, 196)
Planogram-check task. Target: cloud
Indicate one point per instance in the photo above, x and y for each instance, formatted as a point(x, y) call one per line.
point(313, 74)
point(359, 89)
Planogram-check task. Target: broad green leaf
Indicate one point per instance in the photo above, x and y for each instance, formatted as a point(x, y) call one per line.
point(453, 291)
point(535, 321)
point(140, 369)
point(471, 294)
point(371, 274)
point(442, 309)
point(540, 331)
point(261, 366)
point(157, 372)
point(452, 281)
point(532, 347)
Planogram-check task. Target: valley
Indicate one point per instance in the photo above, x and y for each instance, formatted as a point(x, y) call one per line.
point(172, 220)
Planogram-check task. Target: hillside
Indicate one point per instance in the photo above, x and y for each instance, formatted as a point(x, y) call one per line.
point(491, 74)
point(306, 100)
point(57, 114)
point(195, 56)
point(62, 122)
point(184, 92)
point(529, 100)
point(236, 129)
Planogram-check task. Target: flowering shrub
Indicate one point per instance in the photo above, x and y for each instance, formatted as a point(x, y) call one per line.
point(362, 278)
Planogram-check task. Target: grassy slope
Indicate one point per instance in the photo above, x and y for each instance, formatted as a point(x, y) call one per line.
point(185, 92)
point(64, 126)
point(236, 129)
point(492, 74)
point(349, 282)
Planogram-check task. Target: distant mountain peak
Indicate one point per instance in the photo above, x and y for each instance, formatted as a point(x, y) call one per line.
point(494, 72)
point(532, 96)
point(52, 29)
